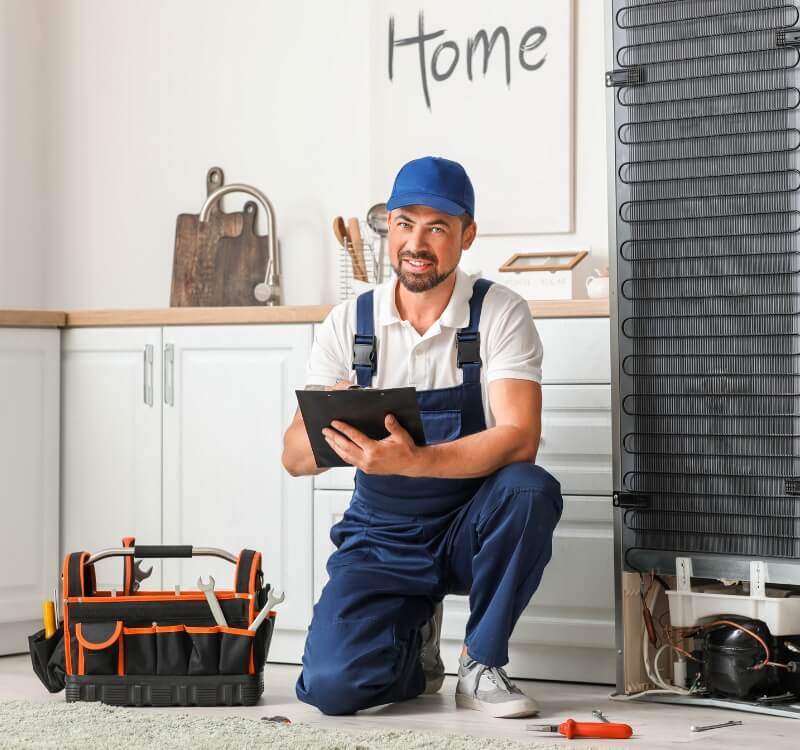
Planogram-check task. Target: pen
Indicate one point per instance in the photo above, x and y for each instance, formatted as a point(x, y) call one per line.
point(49, 617)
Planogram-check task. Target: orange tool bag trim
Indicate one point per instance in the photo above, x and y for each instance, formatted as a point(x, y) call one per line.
point(156, 647)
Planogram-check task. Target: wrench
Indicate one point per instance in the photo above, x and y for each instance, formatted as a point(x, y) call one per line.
point(272, 600)
point(211, 597)
point(140, 574)
point(715, 726)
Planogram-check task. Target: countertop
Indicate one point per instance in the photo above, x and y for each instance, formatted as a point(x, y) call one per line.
point(581, 308)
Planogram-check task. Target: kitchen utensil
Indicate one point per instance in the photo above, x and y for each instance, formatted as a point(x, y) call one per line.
point(715, 726)
point(242, 261)
point(354, 232)
point(574, 729)
point(378, 222)
point(343, 236)
point(213, 603)
point(272, 599)
point(340, 230)
point(267, 291)
point(194, 277)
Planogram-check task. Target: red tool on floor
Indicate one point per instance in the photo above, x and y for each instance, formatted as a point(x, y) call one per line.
point(572, 729)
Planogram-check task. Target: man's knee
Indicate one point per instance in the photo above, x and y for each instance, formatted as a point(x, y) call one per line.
point(328, 690)
point(529, 484)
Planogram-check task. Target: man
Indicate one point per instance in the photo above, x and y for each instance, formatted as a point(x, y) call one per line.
point(469, 512)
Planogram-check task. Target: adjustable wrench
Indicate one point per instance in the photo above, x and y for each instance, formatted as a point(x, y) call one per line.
point(272, 599)
point(139, 574)
point(213, 603)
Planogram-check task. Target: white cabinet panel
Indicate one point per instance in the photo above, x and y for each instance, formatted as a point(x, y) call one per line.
point(576, 350)
point(111, 443)
point(29, 403)
point(576, 437)
point(224, 484)
point(340, 478)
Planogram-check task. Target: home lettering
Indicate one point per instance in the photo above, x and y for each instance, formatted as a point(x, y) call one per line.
point(446, 55)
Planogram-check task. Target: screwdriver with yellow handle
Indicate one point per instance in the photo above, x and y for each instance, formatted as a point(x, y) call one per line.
point(49, 618)
point(572, 729)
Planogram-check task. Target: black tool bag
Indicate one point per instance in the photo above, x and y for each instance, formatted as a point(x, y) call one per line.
point(156, 648)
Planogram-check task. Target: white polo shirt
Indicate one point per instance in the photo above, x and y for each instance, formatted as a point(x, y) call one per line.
point(510, 344)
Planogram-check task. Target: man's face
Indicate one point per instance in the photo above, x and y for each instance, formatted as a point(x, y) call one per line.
point(425, 245)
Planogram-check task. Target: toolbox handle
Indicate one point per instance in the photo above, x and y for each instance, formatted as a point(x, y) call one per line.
point(162, 550)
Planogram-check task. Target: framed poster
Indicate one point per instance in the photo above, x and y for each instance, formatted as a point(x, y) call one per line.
point(487, 84)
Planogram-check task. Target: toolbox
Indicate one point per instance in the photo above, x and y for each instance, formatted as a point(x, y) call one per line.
point(157, 648)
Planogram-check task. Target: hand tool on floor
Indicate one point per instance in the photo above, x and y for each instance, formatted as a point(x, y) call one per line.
point(579, 729)
point(600, 716)
point(211, 597)
point(140, 574)
point(273, 598)
point(715, 726)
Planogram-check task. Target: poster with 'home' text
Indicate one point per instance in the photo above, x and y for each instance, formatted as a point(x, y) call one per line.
point(487, 84)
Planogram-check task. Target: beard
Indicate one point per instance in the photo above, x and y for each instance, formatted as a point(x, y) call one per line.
point(420, 282)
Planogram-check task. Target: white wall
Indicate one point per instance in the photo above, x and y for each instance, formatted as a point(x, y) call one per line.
point(22, 208)
point(143, 97)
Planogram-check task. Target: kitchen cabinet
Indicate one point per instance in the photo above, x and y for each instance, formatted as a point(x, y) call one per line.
point(181, 444)
point(29, 461)
point(111, 443)
point(567, 631)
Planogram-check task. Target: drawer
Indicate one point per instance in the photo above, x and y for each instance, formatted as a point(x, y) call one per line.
point(576, 350)
point(340, 478)
point(576, 437)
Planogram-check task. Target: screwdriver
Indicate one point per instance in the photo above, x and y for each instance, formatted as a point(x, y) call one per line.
point(597, 730)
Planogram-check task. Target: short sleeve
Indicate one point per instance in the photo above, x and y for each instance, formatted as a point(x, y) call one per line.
point(513, 348)
point(329, 362)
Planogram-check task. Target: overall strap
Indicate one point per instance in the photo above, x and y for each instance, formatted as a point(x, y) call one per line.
point(365, 357)
point(468, 339)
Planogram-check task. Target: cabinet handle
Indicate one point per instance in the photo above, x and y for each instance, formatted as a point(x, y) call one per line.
point(169, 374)
point(148, 374)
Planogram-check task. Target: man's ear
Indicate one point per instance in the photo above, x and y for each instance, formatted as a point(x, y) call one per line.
point(468, 236)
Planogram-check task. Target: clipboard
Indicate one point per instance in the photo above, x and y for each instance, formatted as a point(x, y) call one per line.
point(363, 408)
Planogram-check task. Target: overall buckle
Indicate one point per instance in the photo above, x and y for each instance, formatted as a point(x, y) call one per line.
point(468, 350)
point(365, 352)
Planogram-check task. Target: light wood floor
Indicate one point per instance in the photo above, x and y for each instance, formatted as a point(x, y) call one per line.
point(656, 726)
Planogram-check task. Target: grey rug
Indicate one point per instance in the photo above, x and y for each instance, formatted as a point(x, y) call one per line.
point(85, 726)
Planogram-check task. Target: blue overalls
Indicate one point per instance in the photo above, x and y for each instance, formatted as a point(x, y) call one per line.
point(405, 542)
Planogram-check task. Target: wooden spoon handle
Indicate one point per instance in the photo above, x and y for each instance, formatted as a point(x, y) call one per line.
point(358, 247)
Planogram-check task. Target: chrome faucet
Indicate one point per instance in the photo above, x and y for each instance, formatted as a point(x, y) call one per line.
point(269, 290)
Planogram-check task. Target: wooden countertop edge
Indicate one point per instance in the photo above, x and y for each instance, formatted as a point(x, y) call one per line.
point(584, 308)
point(32, 319)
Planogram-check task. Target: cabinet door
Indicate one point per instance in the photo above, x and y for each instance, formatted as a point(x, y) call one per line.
point(229, 396)
point(111, 443)
point(29, 398)
point(575, 446)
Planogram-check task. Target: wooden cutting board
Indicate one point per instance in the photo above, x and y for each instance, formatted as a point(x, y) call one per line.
point(196, 275)
point(243, 261)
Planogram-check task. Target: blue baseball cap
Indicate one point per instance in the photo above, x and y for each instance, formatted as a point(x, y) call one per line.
point(432, 181)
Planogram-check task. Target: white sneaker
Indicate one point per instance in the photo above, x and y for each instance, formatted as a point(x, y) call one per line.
point(488, 689)
point(432, 664)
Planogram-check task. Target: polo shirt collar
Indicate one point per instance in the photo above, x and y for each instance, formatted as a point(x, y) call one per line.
point(455, 315)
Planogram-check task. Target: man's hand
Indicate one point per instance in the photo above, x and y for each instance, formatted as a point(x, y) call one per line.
point(395, 454)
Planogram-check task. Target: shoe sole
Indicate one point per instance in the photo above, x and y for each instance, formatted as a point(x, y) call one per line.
point(509, 710)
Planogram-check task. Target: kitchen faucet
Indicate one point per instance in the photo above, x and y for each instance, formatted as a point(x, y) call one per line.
point(268, 291)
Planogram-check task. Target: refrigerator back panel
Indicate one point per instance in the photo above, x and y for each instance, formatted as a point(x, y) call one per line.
point(708, 254)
